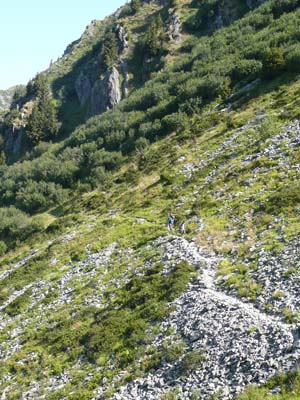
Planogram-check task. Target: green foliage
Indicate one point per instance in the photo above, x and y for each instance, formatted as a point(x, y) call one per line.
point(290, 316)
point(19, 305)
point(172, 394)
point(174, 122)
point(278, 8)
point(206, 11)
point(19, 93)
point(293, 59)
point(191, 361)
point(135, 5)
point(284, 199)
point(141, 144)
point(246, 70)
point(288, 384)
point(120, 330)
point(36, 196)
point(2, 158)
point(273, 63)
point(230, 192)
point(154, 37)
point(43, 123)
point(3, 248)
point(15, 224)
point(110, 49)
point(173, 100)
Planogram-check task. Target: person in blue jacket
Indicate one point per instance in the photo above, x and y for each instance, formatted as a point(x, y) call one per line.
point(171, 220)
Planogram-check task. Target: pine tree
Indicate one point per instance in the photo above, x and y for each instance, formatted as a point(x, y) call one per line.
point(110, 49)
point(154, 37)
point(43, 123)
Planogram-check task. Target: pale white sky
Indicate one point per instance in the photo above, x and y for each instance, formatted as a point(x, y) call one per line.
point(34, 32)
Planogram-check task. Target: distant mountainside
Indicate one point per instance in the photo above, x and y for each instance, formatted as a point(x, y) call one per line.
point(6, 97)
point(184, 107)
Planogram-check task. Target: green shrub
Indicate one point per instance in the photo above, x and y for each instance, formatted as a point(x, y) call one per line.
point(135, 5)
point(3, 248)
point(15, 224)
point(174, 122)
point(19, 305)
point(273, 63)
point(290, 316)
point(192, 361)
point(172, 394)
point(293, 60)
point(246, 70)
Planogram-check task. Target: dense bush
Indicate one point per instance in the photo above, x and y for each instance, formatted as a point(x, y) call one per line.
point(174, 122)
point(36, 196)
point(293, 59)
point(286, 6)
point(207, 9)
point(154, 37)
point(135, 5)
point(246, 70)
point(3, 248)
point(15, 224)
point(273, 63)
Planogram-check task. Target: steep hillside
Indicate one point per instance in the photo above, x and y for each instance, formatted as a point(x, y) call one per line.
point(98, 299)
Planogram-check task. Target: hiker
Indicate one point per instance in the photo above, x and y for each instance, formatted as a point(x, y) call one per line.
point(171, 220)
point(182, 228)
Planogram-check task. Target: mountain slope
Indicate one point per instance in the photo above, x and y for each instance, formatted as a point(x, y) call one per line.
point(98, 299)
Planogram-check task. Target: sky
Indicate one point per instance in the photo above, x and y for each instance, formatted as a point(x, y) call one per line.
point(34, 32)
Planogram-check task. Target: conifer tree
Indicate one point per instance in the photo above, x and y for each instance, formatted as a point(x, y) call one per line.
point(110, 49)
point(154, 36)
point(43, 123)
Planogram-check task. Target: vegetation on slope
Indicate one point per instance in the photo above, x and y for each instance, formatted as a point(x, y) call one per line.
point(203, 71)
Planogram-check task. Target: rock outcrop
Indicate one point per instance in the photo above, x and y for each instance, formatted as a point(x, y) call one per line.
point(106, 93)
point(122, 37)
point(175, 27)
point(13, 139)
point(83, 88)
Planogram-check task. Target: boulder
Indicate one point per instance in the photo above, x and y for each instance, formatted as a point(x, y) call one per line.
point(106, 92)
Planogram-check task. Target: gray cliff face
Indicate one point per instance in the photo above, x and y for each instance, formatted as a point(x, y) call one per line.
point(13, 139)
point(227, 13)
point(106, 93)
point(122, 37)
point(83, 88)
point(103, 94)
